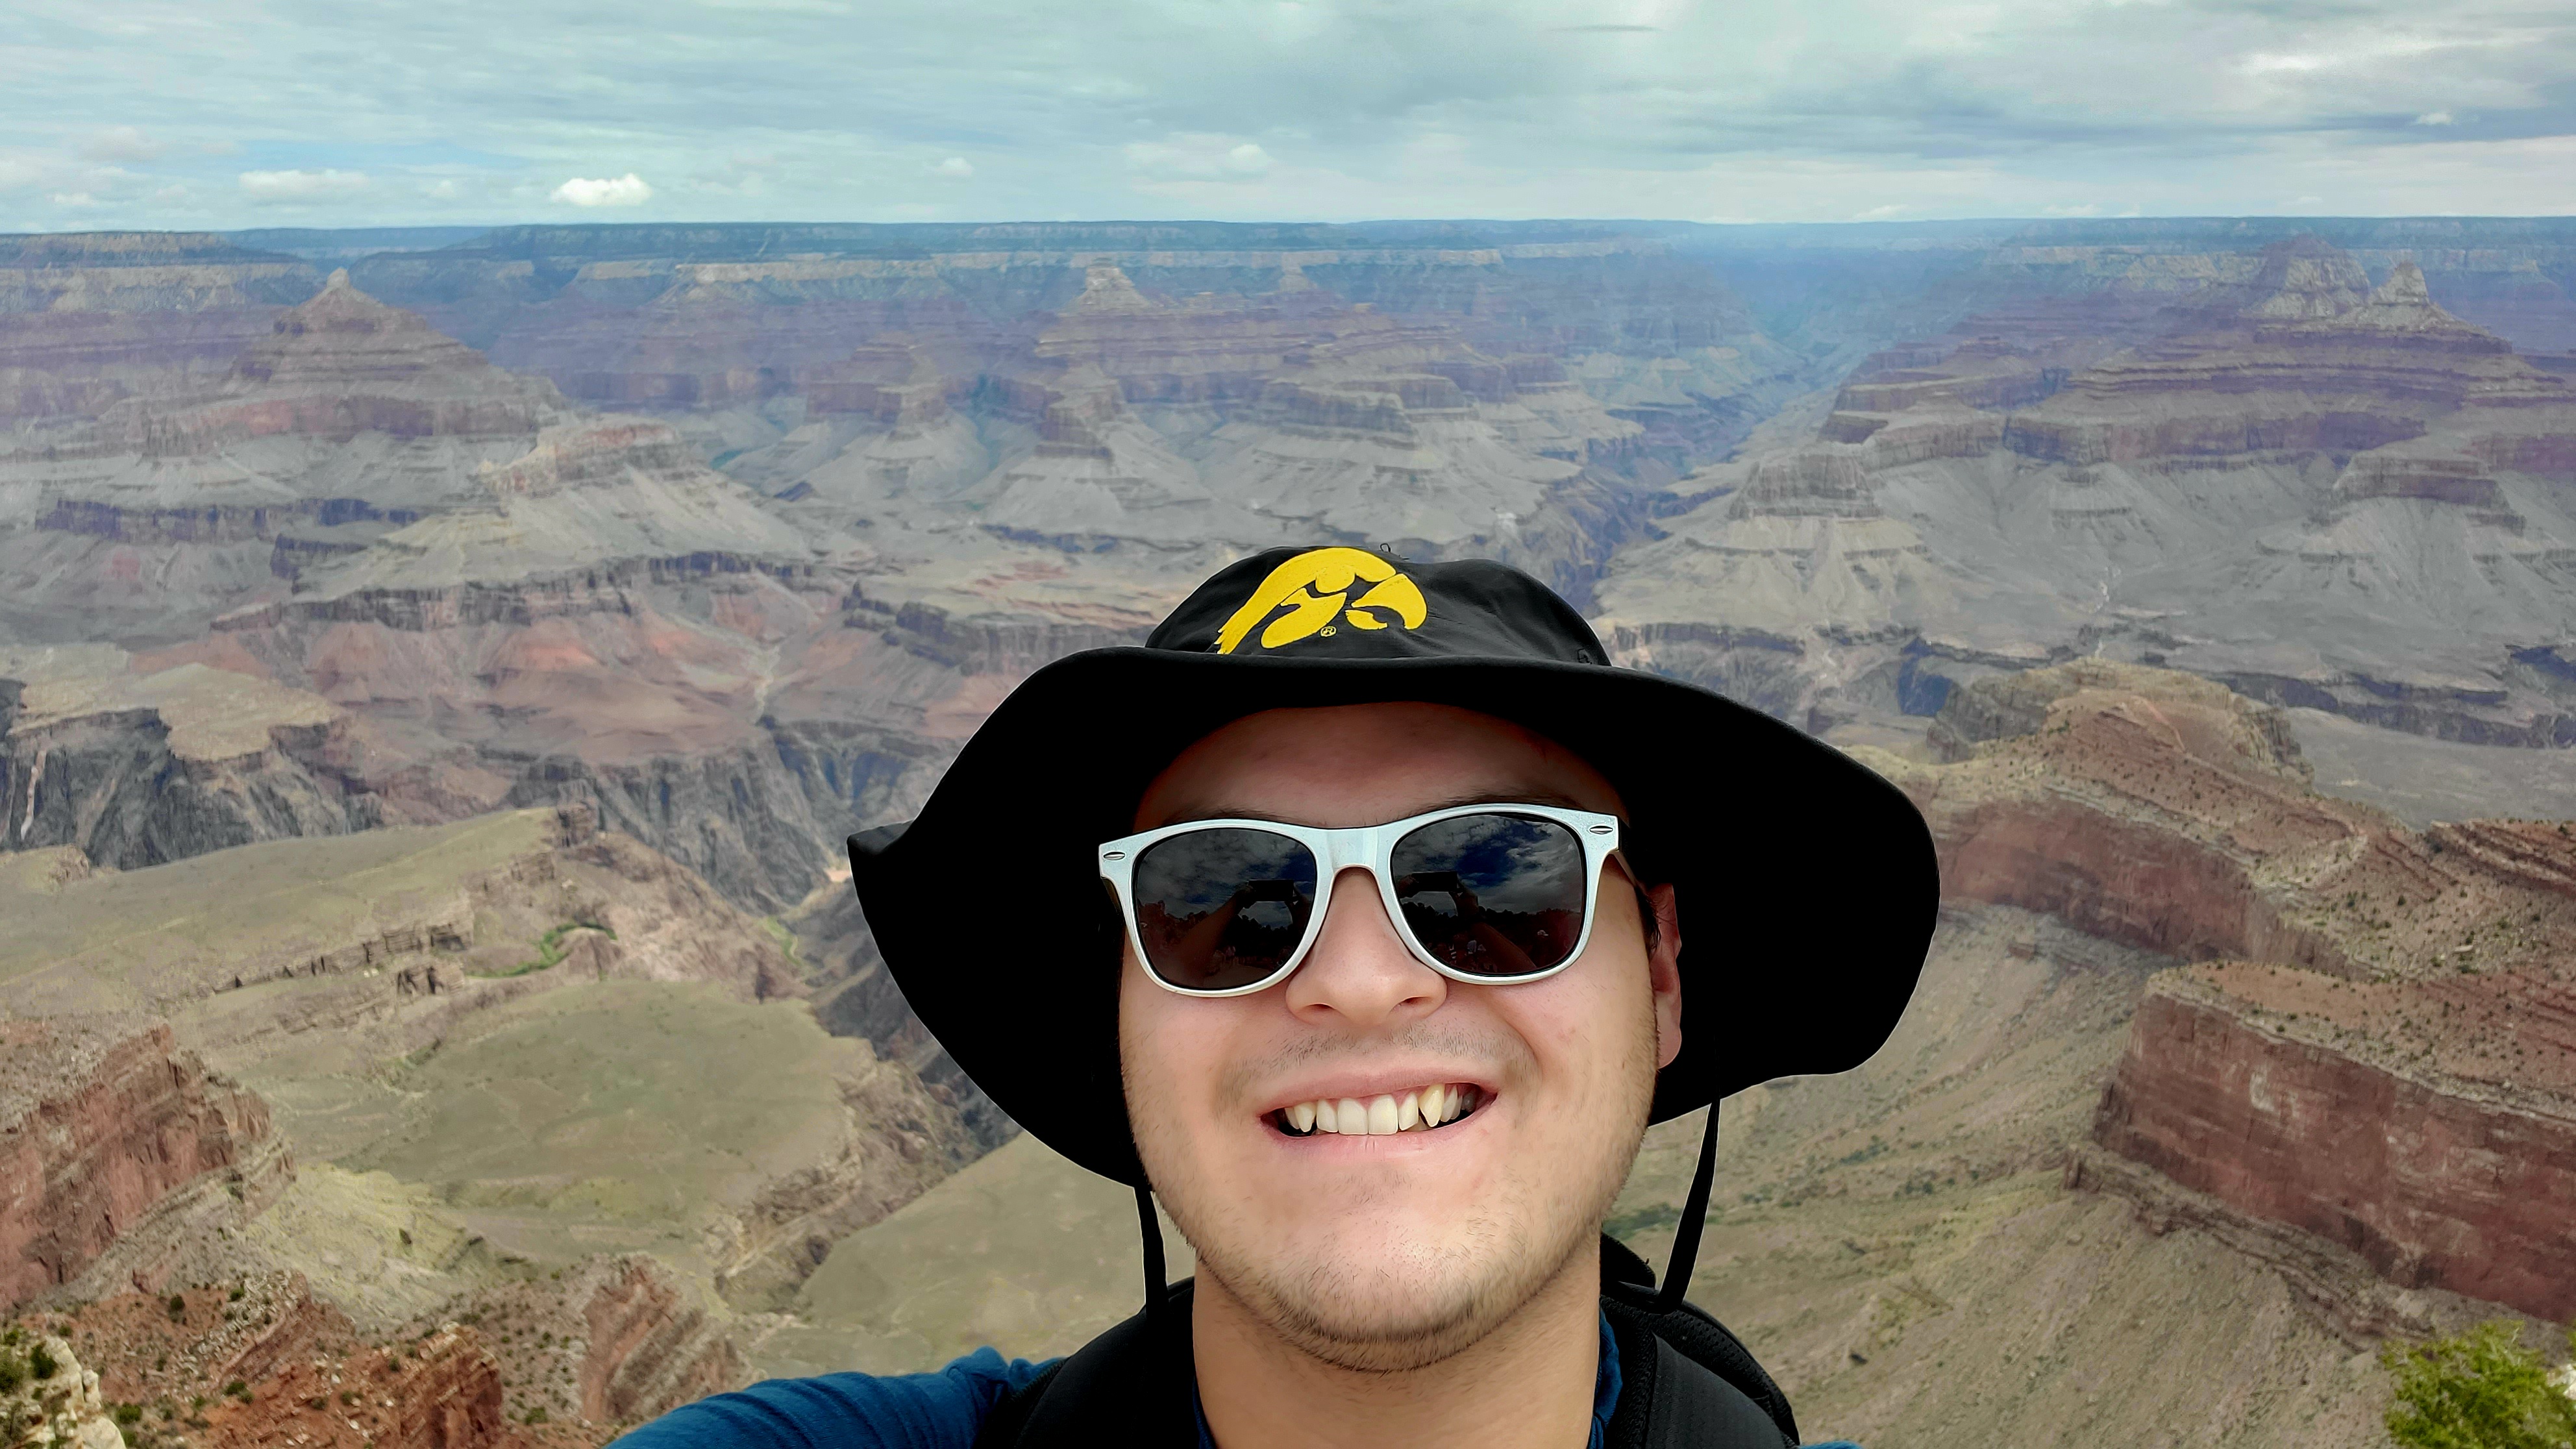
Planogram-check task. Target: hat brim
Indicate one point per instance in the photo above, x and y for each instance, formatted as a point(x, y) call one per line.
point(1807, 887)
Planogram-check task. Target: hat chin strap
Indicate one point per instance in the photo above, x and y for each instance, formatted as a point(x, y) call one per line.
point(1677, 1270)
point(1157, 1291)
point(1162, 1322)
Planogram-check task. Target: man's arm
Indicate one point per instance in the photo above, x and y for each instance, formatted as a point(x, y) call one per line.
point(940, 1410)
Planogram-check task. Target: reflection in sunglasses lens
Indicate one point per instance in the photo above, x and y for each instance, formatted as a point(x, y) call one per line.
point(1218, 909)
point(1492, 895)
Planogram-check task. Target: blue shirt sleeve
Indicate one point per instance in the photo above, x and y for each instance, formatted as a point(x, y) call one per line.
point(942, 1410)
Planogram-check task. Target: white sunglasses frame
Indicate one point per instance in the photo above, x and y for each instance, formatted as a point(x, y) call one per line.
point(1370, 848)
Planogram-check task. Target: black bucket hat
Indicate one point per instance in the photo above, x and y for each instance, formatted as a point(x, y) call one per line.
point(1806, 884)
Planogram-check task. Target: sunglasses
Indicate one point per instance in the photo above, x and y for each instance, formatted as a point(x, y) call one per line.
point(1479, 893)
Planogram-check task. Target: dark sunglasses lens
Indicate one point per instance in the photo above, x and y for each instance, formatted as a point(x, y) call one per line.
point(1492, 895)
point(1222, 908)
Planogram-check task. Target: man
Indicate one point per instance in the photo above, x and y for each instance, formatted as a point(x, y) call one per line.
point(1347, 915)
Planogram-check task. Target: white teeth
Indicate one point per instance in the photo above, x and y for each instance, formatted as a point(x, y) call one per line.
point(1416, 1111)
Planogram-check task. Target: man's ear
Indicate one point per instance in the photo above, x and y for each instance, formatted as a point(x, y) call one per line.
point(1664, 974)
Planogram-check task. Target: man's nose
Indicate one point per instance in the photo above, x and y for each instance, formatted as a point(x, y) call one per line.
point(1360, 973)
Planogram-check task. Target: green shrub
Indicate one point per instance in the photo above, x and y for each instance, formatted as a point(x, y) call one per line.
point(127, 1415)
point(2480, 1389)
point(12, 1373)
point(178, 1307)
point(239, 1390)
point(536, 1416)
point(40, 1363)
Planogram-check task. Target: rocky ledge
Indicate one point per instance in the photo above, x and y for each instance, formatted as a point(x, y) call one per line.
point(2377, 1043)
point(2426, 1126)
point(136, 769)
point(110, 1133)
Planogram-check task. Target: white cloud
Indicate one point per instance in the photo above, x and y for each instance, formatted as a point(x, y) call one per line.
point(957, 167)
point(121, 143)
point(1199, 157)
point(301, 185)
point(446, 190)
point(1770, 111)
point(627, 190)
point(80, 200)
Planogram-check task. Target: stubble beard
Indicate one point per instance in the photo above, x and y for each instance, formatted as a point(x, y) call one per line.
point(1416, 1309)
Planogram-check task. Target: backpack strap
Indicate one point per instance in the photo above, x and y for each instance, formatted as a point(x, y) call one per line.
point(1009, 1419)
point(1685, 1380)
point(1668, 1400)
point(1123, 1384)
point(1628, 1293)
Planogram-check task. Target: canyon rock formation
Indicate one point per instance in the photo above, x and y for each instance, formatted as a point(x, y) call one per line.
point(2323, 492)
point(113, 1139)
point(529, 949)
point(433, 693)
point(2377, 1048)
point(60, 1408)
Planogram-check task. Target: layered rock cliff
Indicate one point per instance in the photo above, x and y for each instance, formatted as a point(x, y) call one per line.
point(336, 366)
point(87, 321)
point(107, 1127)
point(2370, 1115)
point(136, 769)
point(2377, 1050)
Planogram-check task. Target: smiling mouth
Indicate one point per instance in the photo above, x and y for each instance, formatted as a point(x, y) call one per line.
point(1423, 1109)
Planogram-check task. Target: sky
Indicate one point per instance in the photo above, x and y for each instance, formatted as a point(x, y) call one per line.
point(224, 114)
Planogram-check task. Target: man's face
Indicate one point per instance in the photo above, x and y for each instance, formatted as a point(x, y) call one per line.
point(1393, 1252)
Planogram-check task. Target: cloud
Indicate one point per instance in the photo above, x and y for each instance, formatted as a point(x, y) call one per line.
point(301, 185)
point(1322, 109)
point(121, 143)
point(955, 167)
point(627, 190)
point(1199, 158)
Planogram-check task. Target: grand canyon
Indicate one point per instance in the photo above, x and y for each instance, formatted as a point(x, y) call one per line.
point(438, 671)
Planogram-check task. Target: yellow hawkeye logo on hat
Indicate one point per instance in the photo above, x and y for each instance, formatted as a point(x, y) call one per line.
point(1314, 587)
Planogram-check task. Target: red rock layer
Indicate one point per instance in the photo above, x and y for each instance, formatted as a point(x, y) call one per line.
point(2394, 1071)
point(97, 1126)
point(2437, 1186)
point(648, 1349)
point(443, 1391)
point(2165, 812)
